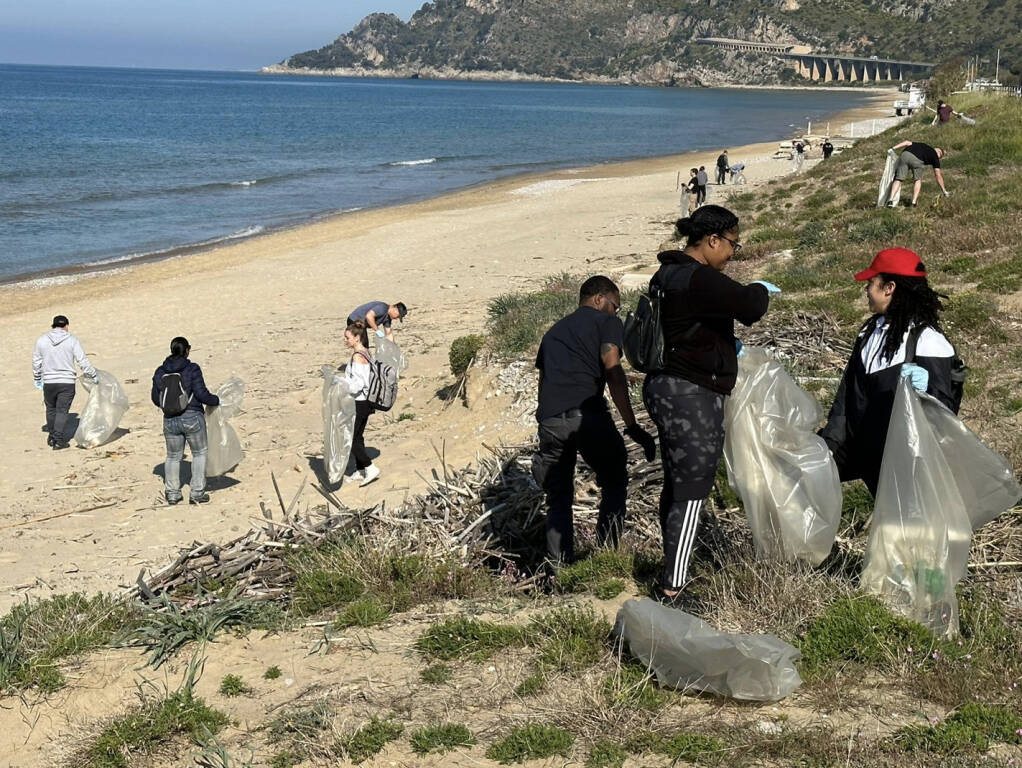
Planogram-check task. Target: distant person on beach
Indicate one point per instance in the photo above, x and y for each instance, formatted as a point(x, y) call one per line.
point(53, 371)
point(915, 158)
point(686, 400)
point(377, 317)
point(905, 314)
point(737, 173)
point(577, 357)
point(701, 181)
point(180, 392)
point(691, 192)
point(828, 149)
point(800, 156)
point(357, 373)
point(722, 165)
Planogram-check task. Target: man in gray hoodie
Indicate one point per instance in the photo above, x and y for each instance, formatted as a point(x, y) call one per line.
point(53, 371)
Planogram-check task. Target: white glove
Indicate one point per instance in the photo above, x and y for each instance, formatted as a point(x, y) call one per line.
point(946, 193)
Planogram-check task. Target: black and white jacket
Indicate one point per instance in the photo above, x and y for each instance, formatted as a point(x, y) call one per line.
point(856, 428)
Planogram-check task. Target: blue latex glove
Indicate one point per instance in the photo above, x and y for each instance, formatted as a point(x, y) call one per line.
point(379, 333)
point(920, 377)
point(38, 384)
point(739, 347)
point(771, 288)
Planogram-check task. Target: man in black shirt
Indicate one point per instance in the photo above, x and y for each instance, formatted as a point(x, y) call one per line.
point(577, 357)
point(722, 165)
point(915, 157)
point(828, 149)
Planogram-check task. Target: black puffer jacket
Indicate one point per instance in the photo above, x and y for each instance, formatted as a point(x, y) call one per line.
point(700, 308)
point(191, 379)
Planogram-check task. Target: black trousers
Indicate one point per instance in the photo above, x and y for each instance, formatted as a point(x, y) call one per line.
point(358, 443)
point(700, 194)
point(690, 422)
point(58, 398)
point(593, 434)
point(721, 175)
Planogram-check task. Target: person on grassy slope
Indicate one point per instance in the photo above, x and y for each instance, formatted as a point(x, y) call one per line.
point(53, 372)
point(905, 312)
point(577, 357)
point(686, 400)
point(357, 373)
point(915, 158)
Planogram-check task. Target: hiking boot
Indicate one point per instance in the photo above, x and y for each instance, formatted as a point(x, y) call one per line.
point(371, 473)
point(203, 499)
point(59, 445)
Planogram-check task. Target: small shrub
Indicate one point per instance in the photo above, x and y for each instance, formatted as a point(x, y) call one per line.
point(320, 589)
point(571, 638)
point(881, 227)
point(531, 742)
point(441, 738)
point(364, 612)
point(370, 739)
point(518, 320)
point(464, 638)
point(610, 589)
point(286, 759)
point(271, 673)
point(463, 351)
point(436, 674)
point(606, 754)
point(531, 684)
point(302, 724)
point(232, 685)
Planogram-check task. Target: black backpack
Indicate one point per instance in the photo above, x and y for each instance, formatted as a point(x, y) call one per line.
point(174, 399)
point(644, 329)
point(959, 370)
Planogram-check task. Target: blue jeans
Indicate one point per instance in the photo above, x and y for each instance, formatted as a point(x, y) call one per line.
point(190, 426)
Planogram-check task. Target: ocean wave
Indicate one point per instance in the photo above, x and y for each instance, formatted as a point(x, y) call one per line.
point(249, 183)
point(424, 161)
point(146, 255)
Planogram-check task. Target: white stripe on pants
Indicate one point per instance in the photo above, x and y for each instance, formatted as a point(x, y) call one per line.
point(686, 541)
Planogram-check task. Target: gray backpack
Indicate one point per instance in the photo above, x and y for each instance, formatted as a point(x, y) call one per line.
point(382, 385)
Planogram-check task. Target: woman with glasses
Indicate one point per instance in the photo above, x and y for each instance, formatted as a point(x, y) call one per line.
point(686, 400)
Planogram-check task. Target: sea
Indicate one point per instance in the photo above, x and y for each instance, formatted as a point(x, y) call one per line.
point(100, 166)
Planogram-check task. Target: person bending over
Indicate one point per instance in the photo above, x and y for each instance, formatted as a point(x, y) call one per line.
point(915, 158)
point(905, 313)
point(578, 356)
point(686, 400)
point(377, 317)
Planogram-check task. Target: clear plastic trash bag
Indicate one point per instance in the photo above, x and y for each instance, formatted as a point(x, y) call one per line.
point(224, 446)
point(338, 423)
point(687, 653)
point(937, 482)
point(780, 467)
point(389, 353)
point(103, 412)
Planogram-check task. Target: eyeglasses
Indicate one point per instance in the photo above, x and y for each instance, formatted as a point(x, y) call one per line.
point(735, 245)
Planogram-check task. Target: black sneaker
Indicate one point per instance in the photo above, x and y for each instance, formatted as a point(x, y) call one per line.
point(50, 441)
point(59, 445)
point(171, 502)
point(203, 499)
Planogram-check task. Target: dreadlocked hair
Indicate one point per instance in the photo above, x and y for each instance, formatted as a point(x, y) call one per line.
point(913, 302)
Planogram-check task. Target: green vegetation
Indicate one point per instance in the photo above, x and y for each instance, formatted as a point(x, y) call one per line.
point(691, 747)
point(370, 739)
point(970, 729)
point(596, 571)
point(463, 351)
point(272, 673)
point(606, 754)
point(436, 674)
point(531, 742)
point(319, 589)
point(570, 639)
point(632, 685)
point(36, 637)
point(518, 320)
point(364, 612)
point(232, 685)
point(300, 724)
point(531, 684)
point(464, 638)
point(441, 738)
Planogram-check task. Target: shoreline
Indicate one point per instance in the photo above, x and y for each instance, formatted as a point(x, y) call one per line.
point(72, 274)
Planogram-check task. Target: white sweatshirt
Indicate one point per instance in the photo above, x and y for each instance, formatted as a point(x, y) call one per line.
point(357, 374)
point(54, 358)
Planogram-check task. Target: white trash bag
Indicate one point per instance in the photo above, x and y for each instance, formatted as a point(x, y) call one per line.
point(338, 423)
point(224, 446)
point(389, 353)
point(687, 653)
point(776, 462)
point(918, 547)
point(103, 411)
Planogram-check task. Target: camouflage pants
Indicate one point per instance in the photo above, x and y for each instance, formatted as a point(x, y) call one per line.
point(690, 422)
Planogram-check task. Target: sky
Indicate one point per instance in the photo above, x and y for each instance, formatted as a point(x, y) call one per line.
point(177, 34)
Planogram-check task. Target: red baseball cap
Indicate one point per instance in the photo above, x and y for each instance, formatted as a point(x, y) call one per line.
point(894, 261)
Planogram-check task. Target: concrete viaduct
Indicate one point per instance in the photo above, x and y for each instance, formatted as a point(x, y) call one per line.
point(827, 68)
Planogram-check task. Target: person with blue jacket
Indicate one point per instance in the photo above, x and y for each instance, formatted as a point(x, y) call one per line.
point(180, 376)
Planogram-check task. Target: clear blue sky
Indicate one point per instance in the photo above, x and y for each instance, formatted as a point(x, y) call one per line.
point(186, 34)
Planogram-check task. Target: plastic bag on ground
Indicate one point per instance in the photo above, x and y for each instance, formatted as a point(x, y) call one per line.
point(687, 653)
point(102, 412)
point(918, 545)
point(338, 423)
point(780, 467)
point(389, 353)
point(224, 446)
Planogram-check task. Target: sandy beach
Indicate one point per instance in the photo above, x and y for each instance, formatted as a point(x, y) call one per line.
point(270, 310)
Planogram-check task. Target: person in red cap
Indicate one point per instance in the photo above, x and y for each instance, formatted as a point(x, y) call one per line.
point(902, 338)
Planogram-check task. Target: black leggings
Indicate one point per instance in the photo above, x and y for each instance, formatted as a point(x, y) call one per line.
point(690, 421)
point(358, 443)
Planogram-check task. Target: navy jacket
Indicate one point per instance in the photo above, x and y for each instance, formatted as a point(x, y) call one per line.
point(191, 378)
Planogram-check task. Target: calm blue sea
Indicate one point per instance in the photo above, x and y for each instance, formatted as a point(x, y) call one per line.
point(100, 165)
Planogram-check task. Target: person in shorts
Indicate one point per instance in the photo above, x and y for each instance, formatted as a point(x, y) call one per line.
point(914, 159)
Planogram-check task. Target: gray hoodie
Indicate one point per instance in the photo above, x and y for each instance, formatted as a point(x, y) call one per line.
point(53, 361)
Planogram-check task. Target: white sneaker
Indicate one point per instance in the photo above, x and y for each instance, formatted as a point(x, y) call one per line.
point(371, 473)
point(356, 477)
